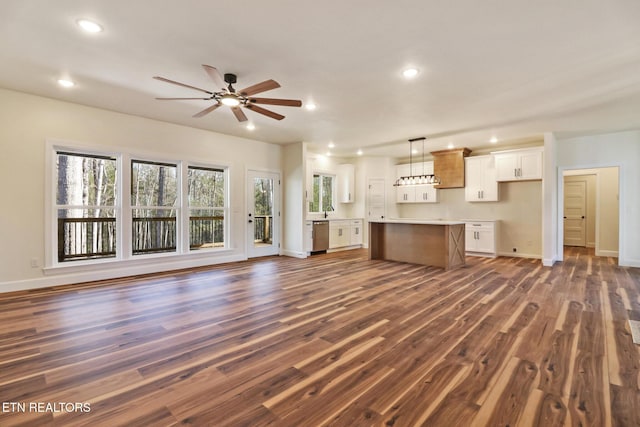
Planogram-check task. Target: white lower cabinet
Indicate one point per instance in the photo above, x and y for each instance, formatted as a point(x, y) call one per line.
point(339, 233)
point(308, 236)
point(480, 237)
point(356, 232)
point(345, 232)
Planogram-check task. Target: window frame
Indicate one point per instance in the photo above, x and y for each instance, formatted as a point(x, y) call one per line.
point(124, 209)
point(186, 241)
point(321, 175)
point(177, 206)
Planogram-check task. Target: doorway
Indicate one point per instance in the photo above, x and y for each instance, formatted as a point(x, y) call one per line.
point(263, 216)
point(600, 209)
point(376, 198)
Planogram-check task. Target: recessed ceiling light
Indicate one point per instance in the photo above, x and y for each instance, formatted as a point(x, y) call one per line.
point(250, 126)
point(328, 153)
point(493, 140)
point(332, 145)
point(66, 83)
point(310, 106)
point(450, 146)
point(89, 26)
point(414, 151)
point(410, 73)
point(359, 152)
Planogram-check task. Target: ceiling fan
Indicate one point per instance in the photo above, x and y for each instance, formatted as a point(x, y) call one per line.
point(227, 95)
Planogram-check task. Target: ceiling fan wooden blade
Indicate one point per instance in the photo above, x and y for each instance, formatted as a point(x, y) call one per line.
point(206, 110)
point(239, 114)
point(259, 87)
point(180, 99)
point(275, 101)
point(162, 79)
point(215, 76)
point(264, 111)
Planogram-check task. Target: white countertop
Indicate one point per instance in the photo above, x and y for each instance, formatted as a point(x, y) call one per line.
point(418, 221)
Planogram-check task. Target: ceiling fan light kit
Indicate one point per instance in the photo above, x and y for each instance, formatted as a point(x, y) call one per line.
point(228, 96)
point(423, 179)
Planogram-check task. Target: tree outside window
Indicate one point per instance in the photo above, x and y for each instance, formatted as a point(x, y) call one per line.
point(206, 189)
point(154, 197)
point(86, 206)
point(323, 190)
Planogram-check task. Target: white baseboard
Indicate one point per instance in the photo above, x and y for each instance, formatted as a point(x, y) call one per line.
point(106, 271)
point(607, 253)
point(294, 254)
point(519, 255)
point(344, 248)
point(629, 262)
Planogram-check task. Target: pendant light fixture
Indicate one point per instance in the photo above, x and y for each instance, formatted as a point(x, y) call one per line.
point(412, 179)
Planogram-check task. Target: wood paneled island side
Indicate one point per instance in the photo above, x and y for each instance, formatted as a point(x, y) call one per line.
point(437, 243)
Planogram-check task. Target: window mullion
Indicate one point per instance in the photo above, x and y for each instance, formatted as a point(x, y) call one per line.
point(125, 227)
point(183, 198)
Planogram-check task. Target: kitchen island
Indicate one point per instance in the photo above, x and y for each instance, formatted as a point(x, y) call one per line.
point(437, 243)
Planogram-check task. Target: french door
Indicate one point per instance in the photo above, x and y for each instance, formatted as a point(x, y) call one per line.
point(263, 216)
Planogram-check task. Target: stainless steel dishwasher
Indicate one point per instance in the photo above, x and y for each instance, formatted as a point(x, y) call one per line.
point(320, 236)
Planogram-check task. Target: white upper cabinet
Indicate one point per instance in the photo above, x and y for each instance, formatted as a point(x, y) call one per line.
point(423, 193)
point(480, 176)
point(517, 165)
point(346, 183)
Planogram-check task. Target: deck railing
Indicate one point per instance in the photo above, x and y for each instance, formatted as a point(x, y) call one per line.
point(263, 229)
point(87, 238)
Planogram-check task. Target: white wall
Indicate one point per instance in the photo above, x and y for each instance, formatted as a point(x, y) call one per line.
point(609, 150)
point(27, 121)
point(519, 211)
point(293, 199)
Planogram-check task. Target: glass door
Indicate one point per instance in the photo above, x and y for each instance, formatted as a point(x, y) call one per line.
point(263, 216)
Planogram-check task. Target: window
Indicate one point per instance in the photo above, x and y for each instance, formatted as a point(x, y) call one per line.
point(167, 207)
point(206, 189)
point(154, 205)
point(323, 189)
point(86, 200)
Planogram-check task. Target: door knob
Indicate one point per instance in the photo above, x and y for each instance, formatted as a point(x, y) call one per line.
point(250, 221)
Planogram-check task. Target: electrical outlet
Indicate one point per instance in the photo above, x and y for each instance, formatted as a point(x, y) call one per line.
point(34, 262)
point(515, 250)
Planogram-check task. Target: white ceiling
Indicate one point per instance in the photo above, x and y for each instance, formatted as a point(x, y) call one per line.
point(509, 68)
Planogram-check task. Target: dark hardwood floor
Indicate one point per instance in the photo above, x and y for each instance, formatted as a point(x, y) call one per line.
point(335, 340)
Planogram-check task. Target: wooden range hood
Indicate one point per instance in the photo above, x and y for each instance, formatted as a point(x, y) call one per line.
point(448, 165)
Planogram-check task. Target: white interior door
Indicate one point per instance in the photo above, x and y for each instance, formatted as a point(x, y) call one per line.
point(263, 216)
point(575, 206)
point(376, 199)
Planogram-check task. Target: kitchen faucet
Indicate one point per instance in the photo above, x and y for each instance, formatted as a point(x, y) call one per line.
point(325, 211)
